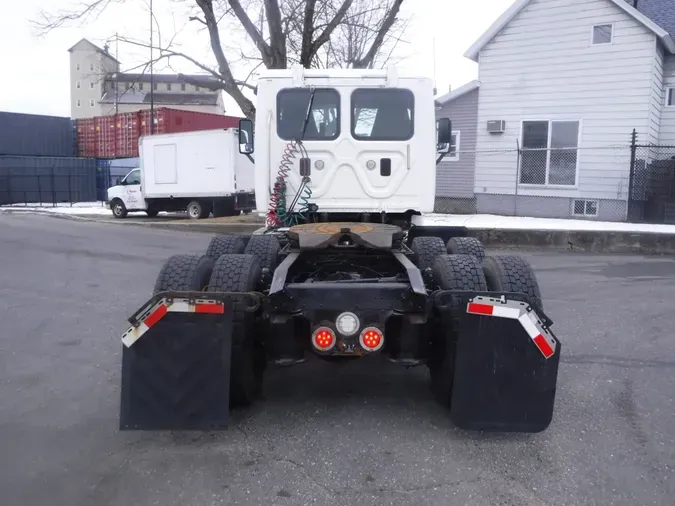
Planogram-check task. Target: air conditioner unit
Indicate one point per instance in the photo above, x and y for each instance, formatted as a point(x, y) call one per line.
point(496, 126)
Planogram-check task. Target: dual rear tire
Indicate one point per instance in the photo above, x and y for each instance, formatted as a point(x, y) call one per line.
point(470, 272)
point(230, 264)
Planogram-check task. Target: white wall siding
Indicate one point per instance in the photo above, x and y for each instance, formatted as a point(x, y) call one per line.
point(667, 132)
point(542, 66)
point(455, 178)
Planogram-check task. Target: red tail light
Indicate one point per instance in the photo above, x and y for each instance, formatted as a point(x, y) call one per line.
point(371, 339)
point(323, 339)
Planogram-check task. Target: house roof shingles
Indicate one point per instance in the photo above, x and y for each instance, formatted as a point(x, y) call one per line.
point(662, 12)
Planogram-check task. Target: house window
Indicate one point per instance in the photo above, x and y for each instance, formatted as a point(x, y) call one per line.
point(182, 87)
point(585, 207)
point(77, 85)
point(168, 87)
point(602, 34)
point(454, 146)
point(77, 66)
point(128, 86)
point(670, 97)
point(196, 88)
point(549, 153)
point(79, 103)
point(91, 86)
point(154, 86)
point(91, 67)
point(140, 86)
point(91, 103)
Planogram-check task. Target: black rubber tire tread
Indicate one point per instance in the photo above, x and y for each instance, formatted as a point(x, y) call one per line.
point(240, 273)
point(426, 250)
point(265, 248)
point(124, 208)
point(512, 273)
point(225, 245)
point(182, 273)
point(451, 272)
point(465, 246)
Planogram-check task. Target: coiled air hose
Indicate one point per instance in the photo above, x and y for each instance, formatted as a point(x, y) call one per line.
point(280, 214)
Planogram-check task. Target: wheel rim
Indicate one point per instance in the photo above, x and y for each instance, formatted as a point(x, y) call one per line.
point(193, 211)
point(117, 209)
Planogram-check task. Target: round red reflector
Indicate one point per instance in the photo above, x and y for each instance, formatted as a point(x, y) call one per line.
point(323, 339)
point(371, 339)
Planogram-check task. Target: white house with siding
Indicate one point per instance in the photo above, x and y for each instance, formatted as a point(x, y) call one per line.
point(568, 81)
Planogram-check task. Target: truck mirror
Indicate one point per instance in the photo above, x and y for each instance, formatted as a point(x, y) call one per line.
point(443, 135)
point(245, 136)
point(118, 181)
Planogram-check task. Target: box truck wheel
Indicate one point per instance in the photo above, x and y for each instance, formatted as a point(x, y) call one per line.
point(118, 208)
point(451, 272)
point(426, 250)
point(241, 273)
point(198, 210)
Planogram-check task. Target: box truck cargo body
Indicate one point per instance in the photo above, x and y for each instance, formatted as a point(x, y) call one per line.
point(198, 172)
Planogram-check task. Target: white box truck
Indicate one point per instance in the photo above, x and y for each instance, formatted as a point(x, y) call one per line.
point(196, 172)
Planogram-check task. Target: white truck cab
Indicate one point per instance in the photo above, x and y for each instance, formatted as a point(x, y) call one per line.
point(127, 192)
point(344, 141)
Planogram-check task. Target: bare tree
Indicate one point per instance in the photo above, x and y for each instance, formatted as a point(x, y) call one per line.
point(312, 33)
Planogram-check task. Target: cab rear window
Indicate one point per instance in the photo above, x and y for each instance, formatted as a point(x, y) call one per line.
point(382, 114)
point(324, 119)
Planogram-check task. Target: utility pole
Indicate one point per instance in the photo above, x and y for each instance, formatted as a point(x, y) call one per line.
point(152, 80)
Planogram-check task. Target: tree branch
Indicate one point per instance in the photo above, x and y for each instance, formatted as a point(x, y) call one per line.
point(369, 58)
point(250, 28)
point(328, 31)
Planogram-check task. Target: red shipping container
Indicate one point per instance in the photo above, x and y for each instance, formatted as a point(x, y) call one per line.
point(117, 136)
point(106, 140)
point(126, 133)
point(86, 137)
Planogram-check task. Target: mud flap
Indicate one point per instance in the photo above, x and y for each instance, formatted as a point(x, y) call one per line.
point(506, 364)
point(176, 364)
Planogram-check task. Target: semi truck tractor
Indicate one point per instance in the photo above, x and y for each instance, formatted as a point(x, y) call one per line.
point(344, 269)
point(200, 173)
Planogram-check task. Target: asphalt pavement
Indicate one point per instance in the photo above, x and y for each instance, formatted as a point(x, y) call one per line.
point(364, 433)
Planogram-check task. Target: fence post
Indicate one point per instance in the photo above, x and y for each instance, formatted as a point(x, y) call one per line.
point(39, 190)
point(53, 188)
point(515, 193)
point(631, 177)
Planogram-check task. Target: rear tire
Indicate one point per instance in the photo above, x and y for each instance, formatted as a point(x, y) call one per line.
point(426, 250)
point(196, 210)
point(265, 248)
point(152, 213)
point(451, 272)
point(241, 273)
point(184, 273)
point(466, 246)
point(512, 273)
point(225, 245)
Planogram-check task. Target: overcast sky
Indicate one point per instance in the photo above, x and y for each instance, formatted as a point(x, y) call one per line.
point(35, 72)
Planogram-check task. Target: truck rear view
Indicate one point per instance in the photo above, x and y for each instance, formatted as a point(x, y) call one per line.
point(345, 274)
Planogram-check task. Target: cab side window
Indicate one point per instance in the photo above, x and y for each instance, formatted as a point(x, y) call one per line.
point(134, 177)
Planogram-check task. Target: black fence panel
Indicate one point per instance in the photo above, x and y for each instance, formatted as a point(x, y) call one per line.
point(45, 180)
point(651, 196)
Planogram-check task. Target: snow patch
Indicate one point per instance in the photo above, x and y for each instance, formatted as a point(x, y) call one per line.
point(496, 222)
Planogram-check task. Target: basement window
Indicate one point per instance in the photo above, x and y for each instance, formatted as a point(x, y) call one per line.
point(670, 97)
point(585, 208)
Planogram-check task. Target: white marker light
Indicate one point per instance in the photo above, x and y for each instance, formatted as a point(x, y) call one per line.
point(347, 324)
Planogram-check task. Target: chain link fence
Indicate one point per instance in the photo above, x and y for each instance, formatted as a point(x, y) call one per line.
point(652, 185)
point(591, 182)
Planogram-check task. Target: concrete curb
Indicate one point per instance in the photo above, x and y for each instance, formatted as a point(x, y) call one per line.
point(586, 241)
point(581, 241)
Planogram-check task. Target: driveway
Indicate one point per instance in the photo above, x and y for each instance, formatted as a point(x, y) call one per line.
point(361, 433)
